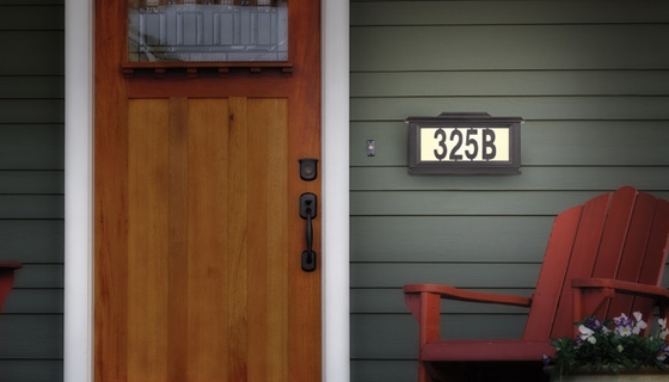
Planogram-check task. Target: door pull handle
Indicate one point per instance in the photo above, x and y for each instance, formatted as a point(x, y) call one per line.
point(308, 206)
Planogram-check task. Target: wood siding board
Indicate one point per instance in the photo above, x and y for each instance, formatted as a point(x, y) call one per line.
point(42, 370)
point(34, 301)
point(510, 83)
point(465, 203)
point(411, 13)
point(397, 109)
point(29, 53)
point(39, 276)
point(32, 111)
point(32, 241)
point(32, 18)
point(449, 239)
point(20, 87)
point(32, 146)
point(460, 275)
point(504, 47)
point(31, 2)
point(31, 182)
point(19, 334)
point(532, 178)
point(31, 207)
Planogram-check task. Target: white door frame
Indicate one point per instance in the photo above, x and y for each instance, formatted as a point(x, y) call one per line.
point(78, 338)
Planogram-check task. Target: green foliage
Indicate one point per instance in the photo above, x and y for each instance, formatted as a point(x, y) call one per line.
point(612, 345)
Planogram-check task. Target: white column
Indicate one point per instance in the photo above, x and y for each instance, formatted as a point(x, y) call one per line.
point(335, 48)
point(78, 327)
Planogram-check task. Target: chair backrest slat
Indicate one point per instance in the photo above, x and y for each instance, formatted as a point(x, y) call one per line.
point(621, 235)
point(652, 268)
point(636, 243)
point(582, 259)
point(552, 275)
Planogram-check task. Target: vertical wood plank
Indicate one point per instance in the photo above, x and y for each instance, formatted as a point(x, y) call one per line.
point(258, 257)
point(237, 294)
point(635, 246)
point(207, 238)
point(178, 239)
point(271, 117)
point(552, 277)
point(148, 181)
point(582, 260)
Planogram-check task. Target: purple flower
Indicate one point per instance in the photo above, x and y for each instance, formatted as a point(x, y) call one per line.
point(623, 325)
point(546, 360)
point(593, 323)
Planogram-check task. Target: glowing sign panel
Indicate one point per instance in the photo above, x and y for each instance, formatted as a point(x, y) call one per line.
point(464, 143)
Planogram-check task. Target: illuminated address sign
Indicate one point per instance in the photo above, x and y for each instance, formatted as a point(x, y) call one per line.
point(464, 143)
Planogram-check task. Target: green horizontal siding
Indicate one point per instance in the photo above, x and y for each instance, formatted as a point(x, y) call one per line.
point(365, 13)
point(26, 87)
point(31, 187)
point(509, 47)
point(383, 370)
point(34, 301)
point(32, 146)
point(460, 275)
point(509, 83)
point(32, 241)
point(39, 276)
point(32, 370)
point(532, 178)
point(468, 203)
point(29, 53)
point(32, 111)
point(530, 108)
point(31, 182)
point(30, 18)
point(29, 336)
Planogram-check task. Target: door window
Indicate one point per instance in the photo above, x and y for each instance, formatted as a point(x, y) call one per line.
point(207, 30)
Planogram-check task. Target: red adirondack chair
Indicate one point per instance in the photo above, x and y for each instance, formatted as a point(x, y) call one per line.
point(603, 258)
point(6, 279)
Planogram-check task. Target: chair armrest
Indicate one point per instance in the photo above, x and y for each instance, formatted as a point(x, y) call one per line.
point(451, 293)
point(624, 287)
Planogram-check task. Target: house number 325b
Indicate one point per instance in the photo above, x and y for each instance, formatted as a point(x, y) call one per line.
point(474, 144)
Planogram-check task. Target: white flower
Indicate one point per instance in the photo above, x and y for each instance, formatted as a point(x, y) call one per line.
point(587, 334)
point(640, 324)
point(662, 322)
point(620, 348)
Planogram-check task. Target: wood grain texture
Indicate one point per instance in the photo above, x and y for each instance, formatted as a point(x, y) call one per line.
point(207, 231)
point(148, 240)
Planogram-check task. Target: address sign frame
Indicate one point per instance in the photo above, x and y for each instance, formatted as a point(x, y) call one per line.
point(475, 154)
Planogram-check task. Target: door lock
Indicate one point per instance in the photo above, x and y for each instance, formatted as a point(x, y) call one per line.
point(308, 169)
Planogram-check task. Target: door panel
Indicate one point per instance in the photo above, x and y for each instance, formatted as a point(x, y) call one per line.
point(198, 233)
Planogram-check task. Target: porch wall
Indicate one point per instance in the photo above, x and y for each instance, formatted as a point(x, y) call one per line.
point(591, 79)
point(31, 187)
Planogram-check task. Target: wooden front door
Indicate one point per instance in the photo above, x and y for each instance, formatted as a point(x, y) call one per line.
point(198, 234)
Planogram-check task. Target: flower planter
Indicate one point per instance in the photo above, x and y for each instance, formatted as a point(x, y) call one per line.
point(641, 375)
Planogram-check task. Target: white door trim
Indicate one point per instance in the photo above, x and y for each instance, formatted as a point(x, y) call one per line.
point(78, 338)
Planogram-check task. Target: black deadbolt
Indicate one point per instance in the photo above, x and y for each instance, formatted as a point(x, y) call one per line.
point(308, 168)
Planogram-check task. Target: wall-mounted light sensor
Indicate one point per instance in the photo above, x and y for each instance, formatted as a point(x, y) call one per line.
point(371, 148)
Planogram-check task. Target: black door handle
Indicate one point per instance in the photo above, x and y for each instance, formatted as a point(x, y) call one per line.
point(308, 206)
